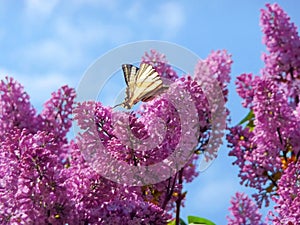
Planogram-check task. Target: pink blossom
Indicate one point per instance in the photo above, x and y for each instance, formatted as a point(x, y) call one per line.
point(48, 179)
point(266, 145)
point(287, 208)
point(243, 211)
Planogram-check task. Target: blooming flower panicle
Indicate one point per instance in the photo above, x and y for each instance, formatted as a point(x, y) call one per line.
point(38, 194)
point(15, 107)
point(243, 211)
point(245, 88)
point(287, 208)
point(218, 66)
point(266, 143)
point(212, 75)
point(57, 111)
point(275, 131)
point(151, 134)
point(31, 156)
point(283, 43)
point(132, 212)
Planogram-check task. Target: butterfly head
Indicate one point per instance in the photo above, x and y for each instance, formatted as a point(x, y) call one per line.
point(127, 105)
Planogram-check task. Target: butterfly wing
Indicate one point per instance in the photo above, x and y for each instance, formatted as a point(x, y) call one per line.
point(147, 84)
point(129, 72)
point(143, 84)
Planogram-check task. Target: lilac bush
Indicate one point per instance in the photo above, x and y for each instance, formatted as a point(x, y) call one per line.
point(121, 141)
point(266, 143)
point(48, 179)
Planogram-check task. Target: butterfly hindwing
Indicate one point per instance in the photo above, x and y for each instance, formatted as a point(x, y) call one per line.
point(147, 83)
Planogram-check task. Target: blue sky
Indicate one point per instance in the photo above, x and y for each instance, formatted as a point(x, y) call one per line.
point(48, 43)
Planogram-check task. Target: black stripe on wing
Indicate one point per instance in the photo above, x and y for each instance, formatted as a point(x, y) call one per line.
point(154, 93)
point(129, 71)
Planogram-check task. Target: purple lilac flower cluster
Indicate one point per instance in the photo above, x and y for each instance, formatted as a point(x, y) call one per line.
point(48, 179)
point(121, 132)
point(32, 150)
point(244, 211)
point(267, 148)
point(283, 43)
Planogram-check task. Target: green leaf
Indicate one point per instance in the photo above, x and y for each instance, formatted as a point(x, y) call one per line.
point(173, 222)
point(198, 220)
point(251, 125)
point(249, 117)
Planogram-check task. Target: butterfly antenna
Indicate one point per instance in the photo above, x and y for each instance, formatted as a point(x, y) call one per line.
point(118, 105)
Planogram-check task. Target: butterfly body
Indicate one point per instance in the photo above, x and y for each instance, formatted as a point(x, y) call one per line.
point(143, 84)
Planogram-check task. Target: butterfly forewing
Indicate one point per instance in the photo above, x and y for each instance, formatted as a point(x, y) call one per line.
point(129, 72)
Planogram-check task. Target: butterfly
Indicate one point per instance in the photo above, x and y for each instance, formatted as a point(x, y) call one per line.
point(143, 84)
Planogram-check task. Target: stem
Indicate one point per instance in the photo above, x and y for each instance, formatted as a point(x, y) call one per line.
point(178, 201)
point(170, 190)
point(272, 180)
point(279, 135)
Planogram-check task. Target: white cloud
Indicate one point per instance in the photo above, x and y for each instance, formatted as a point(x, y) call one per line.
point(169, 17)
point(50, 55)
point(64, 49)
point(69, 40)
point(38, 8)
point(39, 87)
point(69, 43)
point(134, 11)
point(110, 5)
point(89, 32)
point(163, 20)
